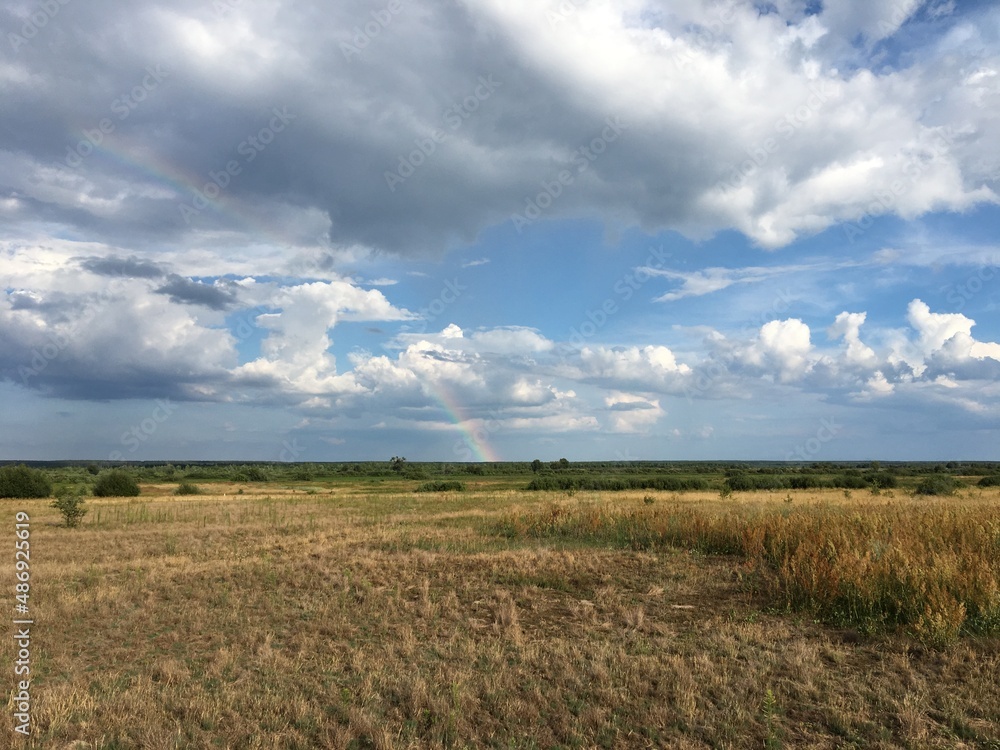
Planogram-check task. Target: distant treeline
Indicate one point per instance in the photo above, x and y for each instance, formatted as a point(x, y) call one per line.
point(674, 484)
point(254, 470)
point(82, 477)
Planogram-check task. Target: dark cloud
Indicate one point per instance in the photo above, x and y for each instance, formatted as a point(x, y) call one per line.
point(165, 105)
point(131, 267)
point(187, 292)
point(55, 307)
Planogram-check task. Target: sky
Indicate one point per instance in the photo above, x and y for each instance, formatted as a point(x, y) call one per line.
point(478, 230)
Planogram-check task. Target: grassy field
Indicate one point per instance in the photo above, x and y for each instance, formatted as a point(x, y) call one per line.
point(366, 615)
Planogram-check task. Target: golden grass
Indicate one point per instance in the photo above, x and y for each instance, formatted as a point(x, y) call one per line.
point(929, 567)
point(394, 620)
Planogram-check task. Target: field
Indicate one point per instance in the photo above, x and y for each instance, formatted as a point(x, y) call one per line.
point(363, 614)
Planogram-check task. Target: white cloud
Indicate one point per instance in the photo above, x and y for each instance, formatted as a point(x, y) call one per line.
point(651, 367)
point(848, 326)
point(875, 387)
point(632, 413)
point(782, 347)
point(294, 352)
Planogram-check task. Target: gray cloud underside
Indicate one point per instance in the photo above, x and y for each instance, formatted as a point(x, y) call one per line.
point(182, 89)
point(186, 291)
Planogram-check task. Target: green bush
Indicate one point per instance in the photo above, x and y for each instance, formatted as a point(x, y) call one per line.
point(880, 480)
point(441, 487)
point(72, 509)
point(937, 485)
point(252, 474)
point(749, 482)
point(116, 483)
point(22, 481)
point(990, 481)
point(187, 488)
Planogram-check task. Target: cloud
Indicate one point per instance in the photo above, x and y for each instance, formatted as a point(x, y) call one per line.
point(782, 347)
point(295, 350)
point(772, 123)
point(651, 368)
point(945, 338)
point(632, 413)
point(715, 279)
point(188, 292)
point(848, 326)
point(123, 343)
point(131, 267)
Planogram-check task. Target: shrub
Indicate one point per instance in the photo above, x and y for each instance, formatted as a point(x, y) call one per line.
point(116, 483)
point(72, 509)
point(23, 481)
point(441, 487)
point(187, 488)
point(937, 485)
point(747, 482)
point(990, 481)
point(252, 474)
point(880, 480)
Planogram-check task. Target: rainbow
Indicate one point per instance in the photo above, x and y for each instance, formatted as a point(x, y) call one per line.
point(475, 438)
point(187, 185)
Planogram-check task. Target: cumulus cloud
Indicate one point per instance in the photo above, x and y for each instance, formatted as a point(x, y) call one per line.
point(782, 348)
point(944, 338)
point(632, 413)
point(848, 327)
point(124, 343)
point(295, 351)
point(653, 367)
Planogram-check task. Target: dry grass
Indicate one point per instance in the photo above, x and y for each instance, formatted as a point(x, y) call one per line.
point(359, 621)
point(929, 568)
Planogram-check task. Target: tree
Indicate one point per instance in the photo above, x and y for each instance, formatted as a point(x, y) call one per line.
point(116, 483)
point(72, 509)
point(397, 463)
point(23, 481)
point(536, 466)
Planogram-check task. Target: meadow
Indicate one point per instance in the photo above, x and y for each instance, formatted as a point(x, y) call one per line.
point(357, 613)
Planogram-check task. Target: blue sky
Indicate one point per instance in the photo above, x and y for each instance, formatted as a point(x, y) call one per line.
point(500, 230)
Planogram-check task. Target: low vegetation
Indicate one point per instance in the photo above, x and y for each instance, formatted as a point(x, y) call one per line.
point(442, 486)
point(929, 571)
point(358, 614)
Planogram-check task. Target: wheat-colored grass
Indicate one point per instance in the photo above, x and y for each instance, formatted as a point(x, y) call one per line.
point(339, 619)
point(927, 567)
